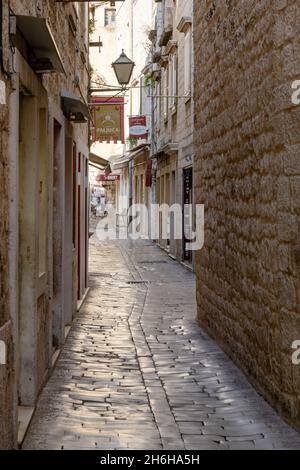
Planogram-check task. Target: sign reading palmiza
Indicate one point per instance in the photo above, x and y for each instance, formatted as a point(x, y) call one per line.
point(108, 119)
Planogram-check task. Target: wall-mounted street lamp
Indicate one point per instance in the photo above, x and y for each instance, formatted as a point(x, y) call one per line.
point(123, 68)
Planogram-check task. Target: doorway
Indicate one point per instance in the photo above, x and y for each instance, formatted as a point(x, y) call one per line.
point(57, 238)
point(187, 213)
point(28, 210)
point(173, 215)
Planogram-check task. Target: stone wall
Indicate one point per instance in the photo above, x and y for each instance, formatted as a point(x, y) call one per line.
point(67, 26)
point(247, 140)
point(7, 372)
point(7, 369)
point(69, 30)
point(4, 315)
point(7, 380)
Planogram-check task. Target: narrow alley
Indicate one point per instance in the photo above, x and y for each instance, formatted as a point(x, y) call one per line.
point(137, 372)
point(150, 228)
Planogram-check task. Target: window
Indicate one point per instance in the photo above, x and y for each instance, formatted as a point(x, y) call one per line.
point(158, 104)
point(173, 80)
point(188, 63)
point(170, 82)
point(166, 92)
point(110, 17)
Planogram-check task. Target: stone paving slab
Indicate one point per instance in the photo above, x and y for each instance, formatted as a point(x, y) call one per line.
point(137, 372)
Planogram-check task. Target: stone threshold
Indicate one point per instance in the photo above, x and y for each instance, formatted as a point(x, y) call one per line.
point(81, 302)
point(57, 352)
point(25, 414)
point(187, 266)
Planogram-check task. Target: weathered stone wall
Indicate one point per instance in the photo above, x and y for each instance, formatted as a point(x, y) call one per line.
point(68, 26)
point(3, 209)
point(7, 381)
point(7, 373)
point(247, 142)
point(6, 369)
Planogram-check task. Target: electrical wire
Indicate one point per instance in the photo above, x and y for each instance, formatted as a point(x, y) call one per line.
point(112, 97)
point(121, 6)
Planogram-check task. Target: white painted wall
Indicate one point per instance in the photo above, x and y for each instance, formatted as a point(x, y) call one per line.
point(133, 22)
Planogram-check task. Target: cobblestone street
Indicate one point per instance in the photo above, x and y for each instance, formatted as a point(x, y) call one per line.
point(137, 372)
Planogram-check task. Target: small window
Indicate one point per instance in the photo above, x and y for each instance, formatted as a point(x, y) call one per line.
point(110, 17)
point(173, 84)
point(166, 92)
point(188, 63)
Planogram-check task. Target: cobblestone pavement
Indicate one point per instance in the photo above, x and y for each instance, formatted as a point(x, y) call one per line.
point(137, 372)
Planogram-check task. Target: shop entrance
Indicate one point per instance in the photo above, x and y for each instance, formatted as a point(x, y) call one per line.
point(187, 212)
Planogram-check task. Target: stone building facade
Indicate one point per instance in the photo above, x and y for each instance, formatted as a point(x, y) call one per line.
point(247, 173)
point(7, 374)
point(44, 194)
point(124, 28)
point(173, 112)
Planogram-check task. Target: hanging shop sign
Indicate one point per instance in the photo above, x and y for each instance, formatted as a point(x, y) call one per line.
point(108, 117)
point(138, 127)
point(108, 178)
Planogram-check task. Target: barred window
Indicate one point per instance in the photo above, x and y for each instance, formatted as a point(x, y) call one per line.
point(110, 17)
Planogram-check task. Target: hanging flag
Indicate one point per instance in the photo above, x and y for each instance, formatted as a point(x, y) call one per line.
point(149, 174)
point(108, 113)
point(138, 127)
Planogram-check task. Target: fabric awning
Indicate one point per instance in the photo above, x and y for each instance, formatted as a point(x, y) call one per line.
point(121, 162)
point(139, 150)
point(45, 54)
point(98, 160)
point(74, 109)
point(124, 159)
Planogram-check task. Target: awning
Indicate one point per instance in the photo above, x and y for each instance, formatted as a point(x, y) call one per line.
point(124, 159)
point(122, 163)
point(98, 160)
point(136, 152)
point(170, 148)
point(74, 109)
point(118, 162)
point(45, 54)
point(99, 168)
